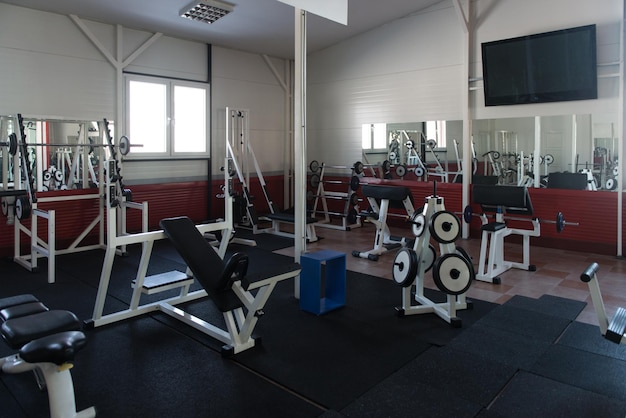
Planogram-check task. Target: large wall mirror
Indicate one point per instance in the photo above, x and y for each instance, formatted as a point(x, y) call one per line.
point(60, 154)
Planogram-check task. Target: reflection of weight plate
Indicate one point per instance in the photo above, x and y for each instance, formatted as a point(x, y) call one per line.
point(549, 159)
point(124, 145)
point(358, 167)
point(452, 274)
point(610, 184)
point(431, 143)
point(410, 144)
point(445, 227)
point(405, 267)
point(418, 222)
point(393, 155)
point(386, 166)
point(400, 170)
point(5, 206)
point(58, 176)
point(354, 183)
point(615, 171)
point(314, 181)
point(46, 175)
point(314, 166)
point(495, 155)
point(354, 200)
point(419, 171)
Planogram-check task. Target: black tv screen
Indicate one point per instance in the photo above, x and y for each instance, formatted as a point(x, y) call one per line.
point(546, 67)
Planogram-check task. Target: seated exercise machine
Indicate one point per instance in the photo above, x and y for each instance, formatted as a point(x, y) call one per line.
point(615, 329)
point(453, 271)
point(226, 283)
point(47, 341)
point(501, 200)
point(381, 199)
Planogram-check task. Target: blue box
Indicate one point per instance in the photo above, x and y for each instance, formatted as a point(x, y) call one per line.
point(333, 283)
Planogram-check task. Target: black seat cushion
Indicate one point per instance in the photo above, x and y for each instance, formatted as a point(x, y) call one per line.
point(56, 348)
point(19, 331)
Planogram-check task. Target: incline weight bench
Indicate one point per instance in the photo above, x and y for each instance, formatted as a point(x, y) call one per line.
point(226, 283)
point(389, 197)
point(47, 341)
point(502, 200)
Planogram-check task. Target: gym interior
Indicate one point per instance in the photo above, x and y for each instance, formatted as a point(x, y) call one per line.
point(312, 208)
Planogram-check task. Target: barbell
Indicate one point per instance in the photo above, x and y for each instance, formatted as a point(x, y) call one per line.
point(12, 144)
point(559, 220)
point(354, 183)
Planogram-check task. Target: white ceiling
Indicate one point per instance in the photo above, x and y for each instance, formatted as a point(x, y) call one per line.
point(259, 26)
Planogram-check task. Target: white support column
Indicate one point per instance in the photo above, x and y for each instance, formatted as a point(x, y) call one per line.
point(620, 142)
point(300, 140)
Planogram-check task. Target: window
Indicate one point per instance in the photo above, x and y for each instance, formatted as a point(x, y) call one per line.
point(436, 130)
point(167, 117)
point(374, 136)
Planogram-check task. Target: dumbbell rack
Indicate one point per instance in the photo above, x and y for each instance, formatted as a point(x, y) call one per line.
point(422, 257)
point(347, 221)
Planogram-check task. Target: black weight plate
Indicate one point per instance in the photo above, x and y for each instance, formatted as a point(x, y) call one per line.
point(400, 170)
point(352, 216)
point(354, 199)
point(467, 214)
point(358, 167)
point(354, 183)
point(314, 166)
point(560, 222)
point(314, 181)
point(13, 144)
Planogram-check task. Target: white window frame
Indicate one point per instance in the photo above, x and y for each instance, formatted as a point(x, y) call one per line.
point(170, 121)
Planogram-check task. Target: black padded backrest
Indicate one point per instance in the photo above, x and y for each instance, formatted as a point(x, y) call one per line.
point(572, 181)
point(207, 266)
point(395, 194)
point(512, 199)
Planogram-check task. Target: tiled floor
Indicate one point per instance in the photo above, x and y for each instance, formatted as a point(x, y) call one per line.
point(558, 271)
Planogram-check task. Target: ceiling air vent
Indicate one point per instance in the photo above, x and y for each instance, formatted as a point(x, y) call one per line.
point(207, 10)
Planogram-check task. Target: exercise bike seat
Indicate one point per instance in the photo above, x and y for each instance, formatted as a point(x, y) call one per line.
point(57, 348)
point(19, 331)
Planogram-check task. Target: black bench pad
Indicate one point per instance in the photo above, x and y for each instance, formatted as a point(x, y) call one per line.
point(493, 226)
point(19, 331)
point(56, 348)
point(17, 300)
point(22, 310)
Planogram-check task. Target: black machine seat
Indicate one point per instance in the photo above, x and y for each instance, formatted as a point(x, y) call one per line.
point(396, 195)
point(209, 269)
point(509, 199)
point(23, 309)
point(57, 348)
point(19, 331)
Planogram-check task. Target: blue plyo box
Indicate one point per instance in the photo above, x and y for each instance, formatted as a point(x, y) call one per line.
point(322, 293)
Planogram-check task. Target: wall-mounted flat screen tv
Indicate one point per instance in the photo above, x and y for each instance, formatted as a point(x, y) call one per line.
point(546, 67)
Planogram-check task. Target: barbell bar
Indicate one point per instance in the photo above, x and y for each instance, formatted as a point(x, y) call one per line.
point(354, 183)
point(559, 220)
point(12, 144)
point(353, 198)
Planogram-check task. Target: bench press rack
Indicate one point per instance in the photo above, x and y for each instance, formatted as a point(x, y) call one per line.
point(502, 200)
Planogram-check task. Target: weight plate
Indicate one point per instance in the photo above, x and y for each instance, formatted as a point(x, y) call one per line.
point(22, 207)
point(418, 224)
point(410, 144)
point(47, 176)
point(13, 144)
point(352, 216)
point(560, 222)
point(310, 195)
point(354, 183)
point(452, 274)
point(58, 176)
point(400, 170)
point(405, 266)
point(5, 206)
point(445, 227)
point(314, 166)
point(431, 143)
point(354, 199)
point(124, 145)
point(358, 167)
point(314, 181)
point(610, 184)
point(393, 155)
point(615, 171)
point(419, 171)
point(495, 155)
point(386, 166)
point(465, 254)
point(428, 257)
point(467, 214)
point(549, 159)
